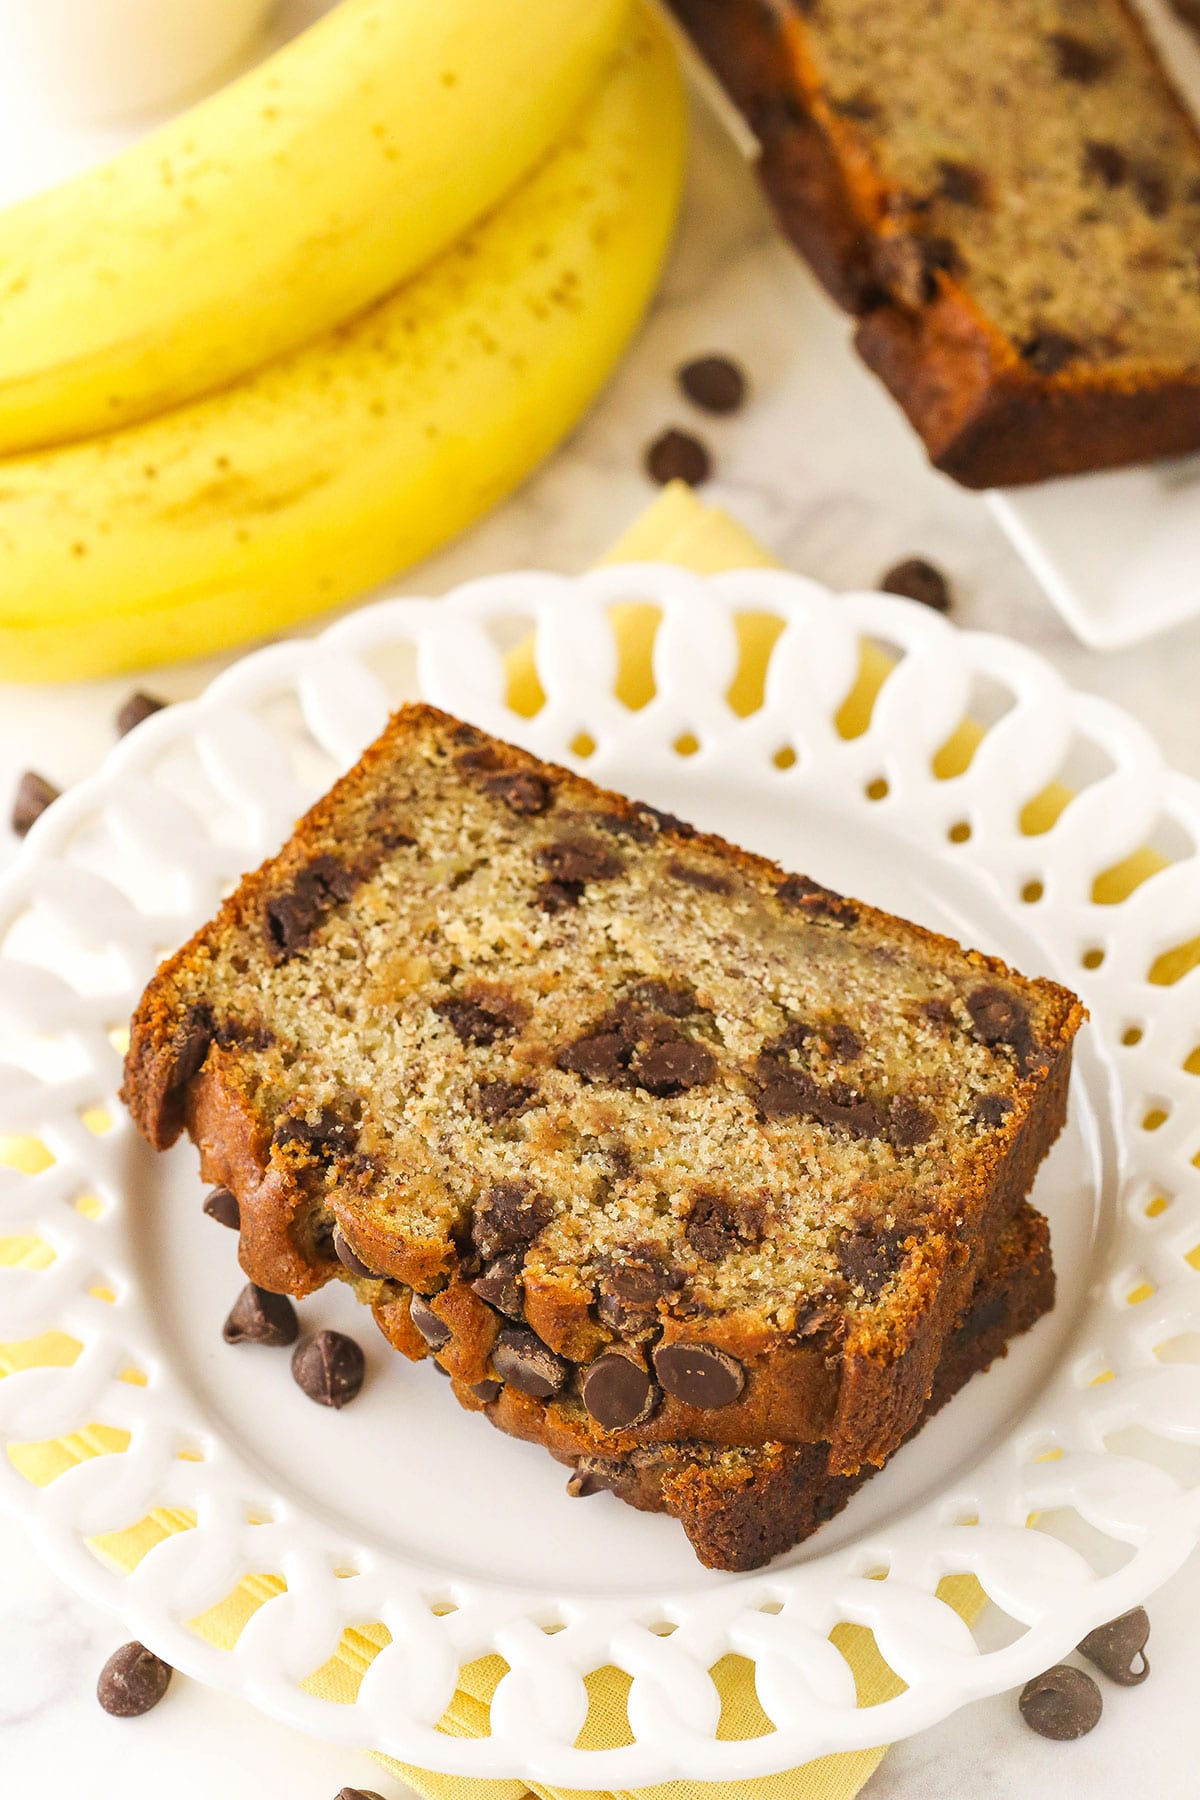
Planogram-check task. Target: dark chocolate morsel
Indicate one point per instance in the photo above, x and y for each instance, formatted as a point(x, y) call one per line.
point(579, 859)
point(500, 1285)
point(558, 896)
point(139, 706)
point(713, 383)
point(660, 996)
point(1118, 1649)
point(716, 1225)
point(474, 1023)
point(520, 790)
point(498, 1100)
point(708, 881)
point(1063, 1703)
point(508, 1217)
point(222, 1206)
point(990, 1110)
point(322, 1139)
point(999, 1017)
point(295, 915)
point(1050, 351)
point(348, 1793)
point(349, 1258)
point(845, 1045)
point(810, 897)
point(631, 1288)
point(868, 1259)
point(583, 1482)
point(34, 794)
point(435, 1331)
point(487, 1391)
point(1075, 59)
point(520, 1357)
point(699, 1374)
point(132, 1681)
point(677, 456)
point(1106, 163)
point(673, 1068)
point(962, 183)
point(909, 1123)
point(261, 1317)
point(190, 1044)
point(916, 579)
point(617, 1392)
point(329, 1368)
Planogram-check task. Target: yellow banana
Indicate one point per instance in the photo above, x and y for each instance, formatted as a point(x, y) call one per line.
point(333, 467)
point(285, 203)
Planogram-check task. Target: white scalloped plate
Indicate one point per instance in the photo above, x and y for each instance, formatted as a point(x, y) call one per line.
point(406, 1511)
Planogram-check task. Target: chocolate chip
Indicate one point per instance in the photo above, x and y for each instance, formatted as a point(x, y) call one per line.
point(1118, 1649)
point(963, 183)
point(222, 1206)
point(34, 794)
point(132, 1681)
point(139, 706)
point(508, 1217)
point(487, 1391)
point(348, 1793)
point(329, 1368)
point(1050, 351)
point(500, 1285)
point(714, 383)
point(678, 456)
point(520, 1357)
point(579, 859)
point(998, 1017)
point(1077, 60)
point(868, 1260)
point(474, 1023)
point(1152, 189)
point(350, 1259)
point(583, 1482)
point(716, 1226)
point(435, 1331)
point(261, 1317)
point(293, 917)
point(699, 1374)
point(845, 1045)
point(788, 1095)
point(190, 1044)
point(707, 880)
point(674, 1068)
point(665, 821)
point(616, 1392)
point(322, 1139)
point(630, 1289)
point(907, 266)
point(990, 1110)
point(919, 580)
point(521, 791)
point(559, 896)
point(909, 1123)
point(1064, 1703)
point(810, 897)
point(659, 996)
point(861, 106)
point(603, 1057)
point(1105, 163)
point(939, 1011)
point(480, 758)
point(497, 1100)
point(793, 1094)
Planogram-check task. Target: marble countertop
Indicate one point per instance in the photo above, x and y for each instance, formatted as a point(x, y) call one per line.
point(822, 469)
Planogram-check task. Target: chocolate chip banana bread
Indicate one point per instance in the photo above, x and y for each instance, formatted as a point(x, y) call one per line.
point(594, 1104)
point(1007, 193)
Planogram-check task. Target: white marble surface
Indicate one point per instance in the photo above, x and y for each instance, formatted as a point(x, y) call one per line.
point(823, 471)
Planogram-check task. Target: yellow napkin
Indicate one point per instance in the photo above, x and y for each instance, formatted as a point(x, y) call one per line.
point(677, 528)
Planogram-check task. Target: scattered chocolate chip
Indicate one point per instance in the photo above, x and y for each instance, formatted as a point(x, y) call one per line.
point(500, 1285)
point(236, 1034)
point(497, 1100)
point(603, 1057)
point(1064, 1703)
point(963, 183)
point(1152, 189)
point(674, 1068)
point(868, 1260)
point(845, 1045)
point(508, 1217)
point(916, 579)
point(659, 996)
point(34, 794)
point(990, 1110)
point(559, 896)
point(939, 1011)
point(1077, 60)
point(1050, 351)
point(1105, 163)
point(348, 1793)
point(435, 1331)
point(190, 1044)
point(487, 1391)
point(909, 1123)
point(716, 1226)
point(474, 1023)
point(349, 1258)
point(329, 1368)
point(793, 1094)
point(520, 1357)
point(629, 1290)
point(261, 1317)
point(139, 706)
point(810, 897)
point(707, 880)
point(665, 821)
point(521, 791)
point(222, 1206)
point(861, 106)
point(907, 266)
point(579, 859)
point(999, 1017)
point(699, 1374)
point(324, 1138)
point(583, 1482)
point(678, 456)
point(1118, 1649)
point(293, 917)
point(438, 1369)
point(480, 758)
point(617, 1392)
point(132, 1681)
point(714, 383)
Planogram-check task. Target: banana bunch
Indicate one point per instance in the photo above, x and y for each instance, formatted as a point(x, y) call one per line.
point(341, 444)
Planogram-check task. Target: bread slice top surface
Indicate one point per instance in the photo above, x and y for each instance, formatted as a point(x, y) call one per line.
point(485, 1008)
point(1032, 153)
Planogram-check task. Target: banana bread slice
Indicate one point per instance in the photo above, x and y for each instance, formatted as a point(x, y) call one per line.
point(1007, 193)
point(590, 1101)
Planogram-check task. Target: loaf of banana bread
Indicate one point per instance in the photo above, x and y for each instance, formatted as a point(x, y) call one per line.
point(1007, 193)
point(596, 1105)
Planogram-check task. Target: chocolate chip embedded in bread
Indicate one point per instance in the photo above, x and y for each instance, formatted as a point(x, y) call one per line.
point(604, 1056)
point(699, 1375)
point(349, 1257)
point(844, 1043)
point(963, 183)
point(487, 1391)
point(477, 1022)
point(909, 1123)
point(501, 1286)
point(919, 580)
point(324, 1138)
point(675, 1001)
point(1050, 351)
point(579, 859)
point(631, 1287)
point(498, 1100)
point(329, 1368)
point(1075, 59)
point(132, 1681)
point(293, 917)
point(222, 1206)
point(707, 880)
point(998, 1017)
point(435, 1331)
point(616, 1392)
point(1063, 1704)
point(559, 896)
point(520, 1357)
point(508, 1217)
point(261, 1317)
point(1119, 1647)
point(348, 1793)
point(810, 897)
point(674, 1068)
point(990, 1110)
point(34, 794)
point(677, 456)
point(717, 1224)
point(586, 1480)
point(1105, 163)
point(190, 1045)
point(714, 383)
point(869, 1259)
point(138, 707)
point(907, 266)
point(520, 790)
point(1152, 189)
point(794, 1094)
